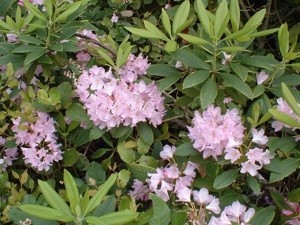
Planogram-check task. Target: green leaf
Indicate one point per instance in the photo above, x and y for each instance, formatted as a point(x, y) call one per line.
point(235, 14)
point(27, 48)
point(30, 39)
point(145, 133)
point(240, 71)
point(34, 10)
point(49, 7)
point(140, 171)
point(46, 213)
point(208, 93)
point(107, 206)
point(256, 19)
point(166, 21)
point(221, 19)
point(238, 34)
point(106, 57)
point(254, 184)
point(101, 193)
point(154, 30)
point(264, 216)
point(225, 179)
point(178, 217)
point(284, 118)
point(96, 133)
point(288, 96)
point(71, 191)
point(70, 157)
point(263, 33)
point(32, 56)
point(162, 70)
point(77, 113)
point(186, 149)
point(162, 214)
point(168, 81)
point(232, 49)
point(195, 78)
point(265, 62)
point(194, 40)
point(284, 169)
point(115, 218)
point(53, 198)
point(72, 7)
point(126, 154)
point(190, 59)
point(236, 83)
point(203, 16)
point(279, 199)
point(181, 16)
point(283, 39)
point(65, 90)
point(285, 144)
point(142, 33)
point(294, 195)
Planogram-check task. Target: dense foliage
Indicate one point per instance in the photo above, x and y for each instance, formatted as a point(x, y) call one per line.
point(149, 112)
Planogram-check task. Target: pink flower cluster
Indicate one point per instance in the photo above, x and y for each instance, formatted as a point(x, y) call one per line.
point(134, 67)
point(38, 141)
point(236, 213)
point(10, 154)
point(215, 134)
point(167, 180)
point(284, 107)
point(110, 101)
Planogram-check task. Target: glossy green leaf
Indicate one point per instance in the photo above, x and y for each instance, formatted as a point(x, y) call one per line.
point(46, 213)
point(145, 132)
point(140, 171)
point(181, 16)
point(288, 96)
point(166, 21)
point(53, 198)
point(203, 16)
point(34, 10)
point(235, 14)
point(238, 84)
point(142, 33)
point(284, 118)
point(71, 191)
point(221, 19)
point(283, 39)
point(126, 154)
point(193, 39)
point(195, 78)
point(186, 149)
point(115, 218)
point(294, 195)
point(284, 169)
point(208, 93)
point(190, 59)
point(264, 216)
point(168, 81)
point(72, 7)
point(106, 57)
point(225, 179)
point(32, 56)
point(263, 33)
point(162, 213)
point(100, 194)
point(154, 30)
point(256, 19)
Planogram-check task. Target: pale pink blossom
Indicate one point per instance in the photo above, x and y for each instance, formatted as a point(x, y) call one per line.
point(167, 152)
point(259, 137)
point(190, 169)
point(184, 194)
point(261, 77)
point(11, 38)
point(114, 18)
point(140, 191)
point(232, 154)
point(250, 167)
point(227, 58)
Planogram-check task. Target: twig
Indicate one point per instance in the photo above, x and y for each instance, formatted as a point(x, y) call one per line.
point(245, 10)
point(95, 42)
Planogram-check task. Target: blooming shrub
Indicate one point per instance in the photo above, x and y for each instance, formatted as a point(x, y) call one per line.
point(148, 112)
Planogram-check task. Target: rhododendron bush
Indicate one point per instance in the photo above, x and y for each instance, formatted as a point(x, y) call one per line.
point(148, 112)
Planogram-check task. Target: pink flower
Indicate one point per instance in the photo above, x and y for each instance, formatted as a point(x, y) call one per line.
point(167, 152)
point(212, 132)
point(250, 167)
point(184, 194)
point(11, 38)
point(140, 192)
point(190, 169)
point(258, 137)
point(114, 18)
point(261, 77)
point(232, 154)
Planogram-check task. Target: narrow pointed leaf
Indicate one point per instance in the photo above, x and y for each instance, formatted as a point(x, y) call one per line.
point(71, 190)
point(194, 40)
point(34, 10)
point(166, 21)
point(115, 218)
point(72, 8)
point(235, 14)
point(181, 15)
point(236, 83)
point(53, 198)
point(288, 96)
point(101, 193)
point(221, 19)
point(284, 118)
point(208, 93)
point(203, 16)
point(142, 32)
point(154, 30)
point(256, 19)
point(46, 213)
